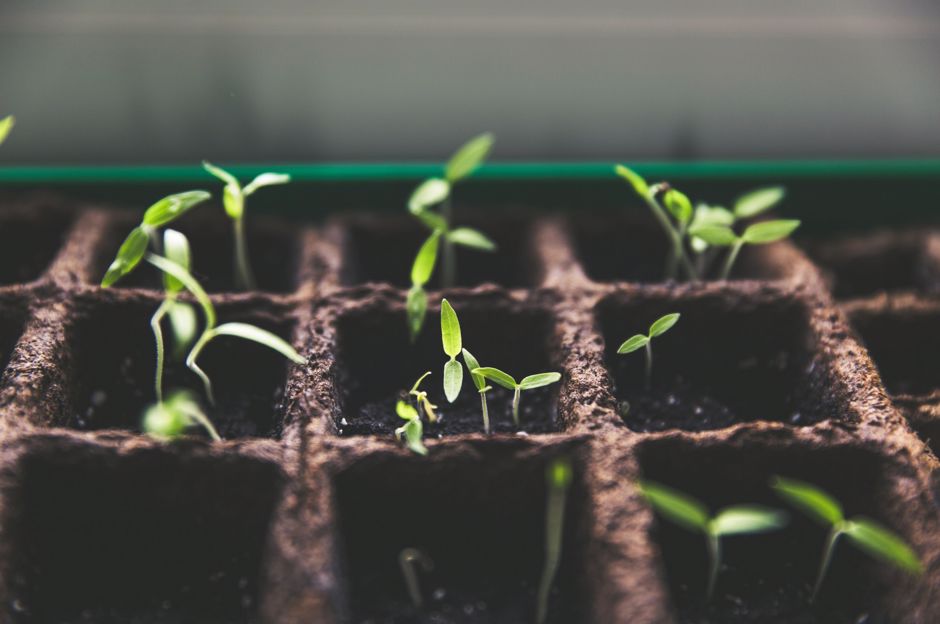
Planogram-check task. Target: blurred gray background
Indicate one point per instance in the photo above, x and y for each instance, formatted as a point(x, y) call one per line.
point(115, 81)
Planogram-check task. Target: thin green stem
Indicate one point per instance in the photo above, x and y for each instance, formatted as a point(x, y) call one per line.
point(714, 556)
point(515, 405)
point(834, 534)
point(449, 270)
point(554, 526)
point(244, 277)
point(649, 365)
point(674, 237)
point(732, 256)
point(203, 420)
point(191, 363)
point(155, 321)
point(407, 560)
point(486, 413)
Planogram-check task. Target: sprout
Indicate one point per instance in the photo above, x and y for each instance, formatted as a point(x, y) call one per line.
point(407, 559)
point(659, 327)
point(558, 479)
point(421, 398)
point(865, 533)
point(760, 233)
point(233, 198)
point(450, 337)
point(480, 382)
point(6, 125)
point(412, 431)
point(528, 383)
point(691, 514)
point(416, 304)
point(170, 418)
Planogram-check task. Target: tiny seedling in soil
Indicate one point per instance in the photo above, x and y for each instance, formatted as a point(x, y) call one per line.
point(170, 418)
point(659, 327)
point(428, 194)
point(761, 233)
point(691, 514)
point(558, 479)
point(506, 380)
point(233, 199)
point(421, 398)
point(450, 338)
point(6, 125)
point(482, 387)
point(409, 559)
point(863, 532)
point(412, 431)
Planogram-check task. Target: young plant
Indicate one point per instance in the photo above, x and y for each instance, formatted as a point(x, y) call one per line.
point(450, 338)
point(171, 418)
point(506, 380)
point(761, 233)
point(863, 532)
point(558, 478)
point(428, 194)
point(233, 198)
point(6, 125)
point(482, 388)
point(422, 400)
point(659, 327)
point(691, 514)
point(412, 431)
point(409, 559)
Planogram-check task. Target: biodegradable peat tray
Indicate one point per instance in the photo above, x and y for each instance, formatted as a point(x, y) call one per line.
point(299, 515)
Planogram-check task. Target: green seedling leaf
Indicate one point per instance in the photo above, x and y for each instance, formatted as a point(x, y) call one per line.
point(681, 509)
point(6, 126)
point(470, 156)
point(758, 201)
point(471, 238)
point(497, 376)
point(810, 499)
point(716, 235)
point(170, 419)
point(175, 249)
point(634, 343)
point(883, 544)
point(663, 324)
point(265, 179)
point(416, 306)
point(678, 205)
point(636, 181)
point(712, 215)
point(471, 362)
point(182, 318)
point(429, 193)
point(233, 200)
point(413, 430)
point(221, 174)
point(769, 231)
point(423, 266)
point(406, 410)
point(128, 257)
point(172, 207)
point(559, 474)
point(453, 380)
point(260, 336)
point(539, 380)
point(747, 519)
point(450, 330)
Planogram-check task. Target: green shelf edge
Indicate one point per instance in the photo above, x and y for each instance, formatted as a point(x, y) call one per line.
point(381, 172)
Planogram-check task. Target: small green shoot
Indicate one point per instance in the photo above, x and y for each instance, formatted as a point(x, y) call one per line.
point(422, 400)
point(863, 532)
point(659, 327)
point(233, 199)
point(6, 125)
point(409, 559)
point(506, 380)
point(412, 431)
point(450, 338)
point(416, 304)
point(691, 514)
point(482, 387)
point(171, 418)
point(761, 233)
point(558, 477)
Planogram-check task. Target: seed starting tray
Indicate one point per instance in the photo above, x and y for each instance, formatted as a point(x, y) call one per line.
point(299, 515)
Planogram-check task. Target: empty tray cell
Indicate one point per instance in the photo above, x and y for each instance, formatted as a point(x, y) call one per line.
point(769, 577)
point(273, 252)
point(378, 364)
point(113, 360)
point(885, 261)
point(478, 516)
point(630, 248)
point(150, 536)
point(383, 250)
point(30, 240)
point(734, 356)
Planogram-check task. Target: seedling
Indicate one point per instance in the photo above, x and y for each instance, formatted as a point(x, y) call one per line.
point(863, 532)
point(691, 514)
point(409, 559)
point(412, 431)
point(761, 233)
point(558, 479)
point(659, 327)
point(233, 199)
point(506, 380)
point(428, 194)
point(480, 382)
point(6, 125)
point(450, 337)
point(171, 418)
point(421, 398)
